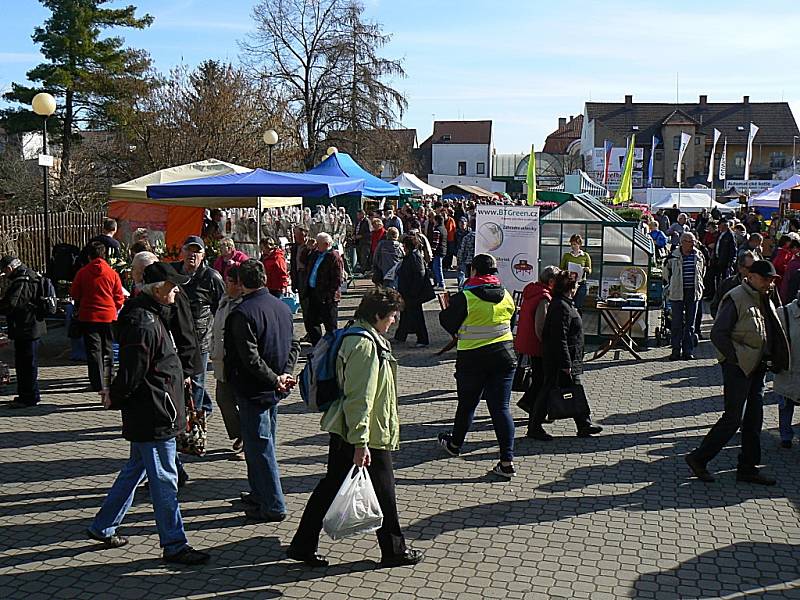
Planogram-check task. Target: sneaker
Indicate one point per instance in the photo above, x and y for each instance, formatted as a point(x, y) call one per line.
point(407, 558)
point(507, 471)
point(444, 440)
point(187, 556)
point(112, 541)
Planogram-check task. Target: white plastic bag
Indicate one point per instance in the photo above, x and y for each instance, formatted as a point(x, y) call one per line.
point(355, 508)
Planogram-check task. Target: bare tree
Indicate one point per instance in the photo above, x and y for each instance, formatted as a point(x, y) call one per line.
point(324, 59)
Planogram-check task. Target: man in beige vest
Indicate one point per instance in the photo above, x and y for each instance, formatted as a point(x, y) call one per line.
point(750, 340)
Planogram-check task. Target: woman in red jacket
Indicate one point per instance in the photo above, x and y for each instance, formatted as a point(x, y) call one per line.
point(228, 257)
point(274, 260)
point(378, 233)
point(535, 300)
point(97, 290)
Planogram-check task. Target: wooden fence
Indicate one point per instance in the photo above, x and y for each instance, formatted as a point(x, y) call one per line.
point(23, 235)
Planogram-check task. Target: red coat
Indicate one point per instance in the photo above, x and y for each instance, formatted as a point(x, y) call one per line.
point(277, 272)
point(98, 290)
point(222, 265)
point(782, 258)
point(526, 341)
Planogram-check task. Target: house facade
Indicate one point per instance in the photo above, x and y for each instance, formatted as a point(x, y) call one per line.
point(617, 122)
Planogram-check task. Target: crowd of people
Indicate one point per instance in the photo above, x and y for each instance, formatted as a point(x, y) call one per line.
point(176, 317)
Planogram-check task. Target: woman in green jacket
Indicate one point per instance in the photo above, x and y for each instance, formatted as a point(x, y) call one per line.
point(364, 428)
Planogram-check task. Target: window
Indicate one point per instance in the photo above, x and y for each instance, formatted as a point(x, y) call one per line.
point(777, 160)
point(738, 160)
point(659, 155)
point(446, 137)
point(462, 167)
point(480, 168)
point(697, 140)
point(676, 142)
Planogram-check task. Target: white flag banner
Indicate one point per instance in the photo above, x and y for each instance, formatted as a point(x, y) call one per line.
point(685, 139)
point(717, 133)
point(753, 132)
point(723, 161)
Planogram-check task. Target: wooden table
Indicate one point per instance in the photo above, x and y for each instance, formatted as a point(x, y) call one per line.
point(621, 336)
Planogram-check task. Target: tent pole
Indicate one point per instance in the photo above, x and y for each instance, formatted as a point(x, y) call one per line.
point(258, 222)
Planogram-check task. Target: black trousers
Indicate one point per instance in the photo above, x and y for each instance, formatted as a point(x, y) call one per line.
point(538, 412)
point(412, 320)
point(744, 397)
point(319, 312)
point(97, 338)
point(26, 364)
point(340, 459)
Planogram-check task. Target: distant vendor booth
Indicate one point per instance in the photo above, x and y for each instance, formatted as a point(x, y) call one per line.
point(622, 262)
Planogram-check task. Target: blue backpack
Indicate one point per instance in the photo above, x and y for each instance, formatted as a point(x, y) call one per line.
point(319, 387)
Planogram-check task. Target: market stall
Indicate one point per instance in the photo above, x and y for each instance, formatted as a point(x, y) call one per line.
point(621, 257)
point(409, 181)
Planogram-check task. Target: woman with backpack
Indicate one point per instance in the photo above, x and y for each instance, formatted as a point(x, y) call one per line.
point(364, 428)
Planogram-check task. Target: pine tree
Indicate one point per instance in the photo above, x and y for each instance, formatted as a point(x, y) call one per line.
point(89, 74)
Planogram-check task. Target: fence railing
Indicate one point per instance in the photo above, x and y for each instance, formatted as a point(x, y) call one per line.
point(23, 235)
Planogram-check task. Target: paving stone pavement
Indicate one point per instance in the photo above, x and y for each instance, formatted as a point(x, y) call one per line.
point(615, 516)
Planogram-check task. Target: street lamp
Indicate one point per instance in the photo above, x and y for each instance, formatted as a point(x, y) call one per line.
point(44, 105)
point(270, 139)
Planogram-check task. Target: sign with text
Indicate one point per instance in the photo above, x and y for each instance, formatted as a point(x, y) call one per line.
point(511, 235)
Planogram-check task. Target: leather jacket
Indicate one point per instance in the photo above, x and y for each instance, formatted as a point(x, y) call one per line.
point(205, 291)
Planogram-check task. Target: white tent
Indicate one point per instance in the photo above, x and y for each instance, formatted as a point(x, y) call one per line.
point(689, 201)
point(771, 198)
point(409, 181)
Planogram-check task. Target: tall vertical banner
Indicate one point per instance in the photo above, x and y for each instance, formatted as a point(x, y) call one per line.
point(652, 158)
point(723, 161)
point(511, 235)
point(685, 139)
point(607, 147)
point(753, 132)
point(625, 190)
point(531, 178)
point(717, 133)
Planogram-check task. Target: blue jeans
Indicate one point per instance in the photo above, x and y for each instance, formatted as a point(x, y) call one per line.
point(199, 394)
point(258, 436)
point(785, 414)
point(463, 274)
point(580, 295)
point(684, 313)
point(438, 277)
point(494, 385)
point(157, 461)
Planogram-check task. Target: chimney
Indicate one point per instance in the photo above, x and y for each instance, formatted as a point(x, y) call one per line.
point(745, 99)
point(571, 117)
point(628, 99)
point(562, 122)
point(703, 100)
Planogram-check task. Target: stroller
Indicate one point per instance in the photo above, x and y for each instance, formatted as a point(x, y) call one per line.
point(664, 328)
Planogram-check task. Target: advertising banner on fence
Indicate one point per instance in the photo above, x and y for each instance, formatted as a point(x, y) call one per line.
point(511, 235)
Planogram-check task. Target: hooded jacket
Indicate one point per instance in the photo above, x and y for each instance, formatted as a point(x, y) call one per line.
point(97, 289)
point(499, 355)
point(148, 387)
point(527, 342)
point(276, 270)
point(18, 308)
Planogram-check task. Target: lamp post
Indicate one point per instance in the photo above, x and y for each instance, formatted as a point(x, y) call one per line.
point(44, 105)
point(270, 139)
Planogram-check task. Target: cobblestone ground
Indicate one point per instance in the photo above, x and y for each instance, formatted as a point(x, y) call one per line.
point(610, 517)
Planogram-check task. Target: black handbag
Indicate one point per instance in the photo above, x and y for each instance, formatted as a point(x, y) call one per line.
point(427, 293)
point(523, 376)
point(567, 402)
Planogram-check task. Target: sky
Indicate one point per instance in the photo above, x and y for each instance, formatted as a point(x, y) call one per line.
point(521, 63)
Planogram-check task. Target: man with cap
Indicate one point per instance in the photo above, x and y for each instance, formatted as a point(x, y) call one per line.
point(485, 362)
point(260, 355)
point(148, 389)
point(24, 328)
point(750, 340)
point(205, 289)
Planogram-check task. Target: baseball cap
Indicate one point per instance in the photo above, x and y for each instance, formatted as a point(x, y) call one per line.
point(194, 240)
point(161, 271)
point(763, 268)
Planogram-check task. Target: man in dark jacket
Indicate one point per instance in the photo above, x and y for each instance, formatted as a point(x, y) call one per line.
point(148, 389)
point(743, 264)
point(363, 238)
point(724, 251)
point(204, 289)
point(18, 306)
point(325, 274)
point(260, 355)
point(485, 362)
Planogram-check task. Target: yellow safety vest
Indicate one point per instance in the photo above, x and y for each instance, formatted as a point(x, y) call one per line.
point(486, 322)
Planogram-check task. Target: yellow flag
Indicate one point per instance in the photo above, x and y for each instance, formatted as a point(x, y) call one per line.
point(531, 179)
point(625, 190)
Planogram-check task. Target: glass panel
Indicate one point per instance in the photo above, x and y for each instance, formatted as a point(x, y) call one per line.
point(571, 211)
point(594, 236)
point(549, 255)
point(617, 246)
point(551, 233)
point(640, 257)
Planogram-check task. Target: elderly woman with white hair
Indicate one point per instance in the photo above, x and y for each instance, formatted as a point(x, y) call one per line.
point(228, 257)
point(325, 276)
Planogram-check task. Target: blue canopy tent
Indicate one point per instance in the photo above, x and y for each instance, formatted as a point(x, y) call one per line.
point(244, 189)
point(341, 164)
